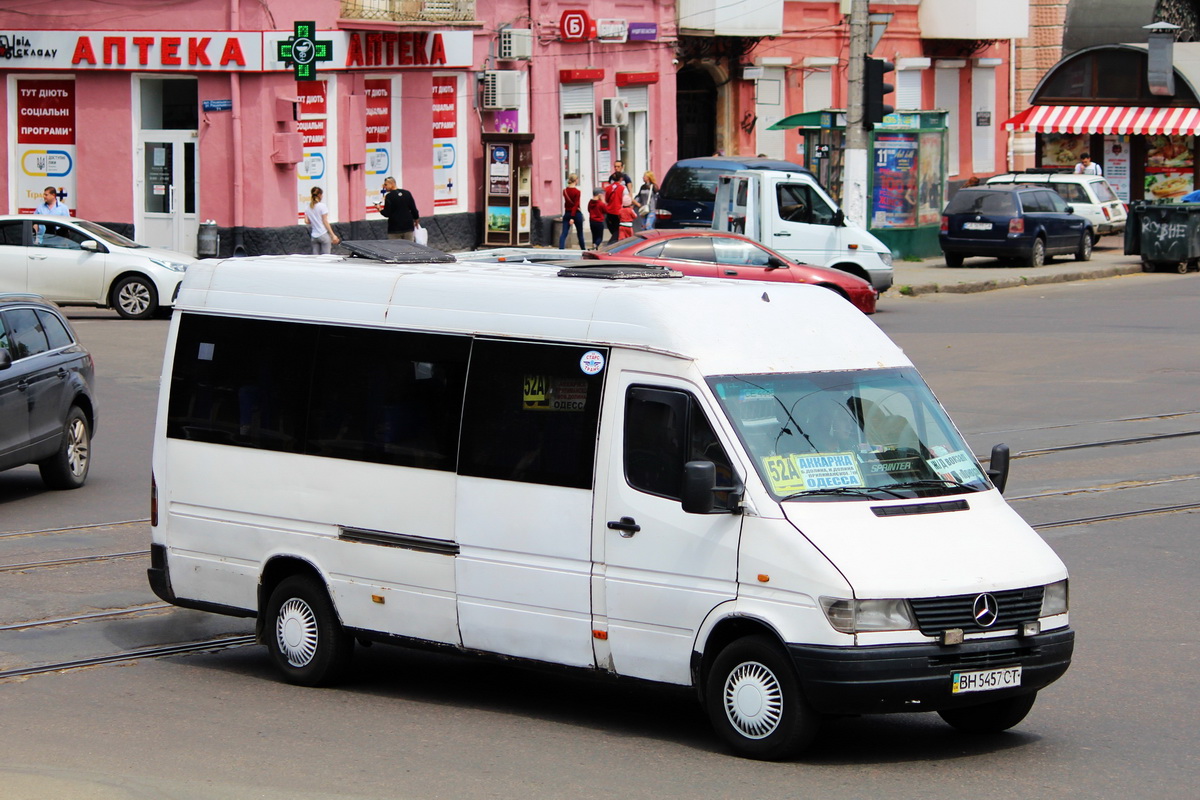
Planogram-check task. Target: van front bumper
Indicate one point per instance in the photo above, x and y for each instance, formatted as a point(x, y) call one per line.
point(895, 678)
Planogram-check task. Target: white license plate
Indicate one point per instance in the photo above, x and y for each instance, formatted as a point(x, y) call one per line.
point(985, 681)
point(977, 226)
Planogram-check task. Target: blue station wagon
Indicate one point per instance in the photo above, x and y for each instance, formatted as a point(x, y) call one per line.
point(1029, 224)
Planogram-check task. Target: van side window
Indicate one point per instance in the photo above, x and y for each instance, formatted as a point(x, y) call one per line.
point(531, 413)
point(799, 203)
point(388, 397)
point(394, 397)
point(664, 429)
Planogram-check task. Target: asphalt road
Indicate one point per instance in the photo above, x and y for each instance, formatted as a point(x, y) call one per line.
point(1094, 387)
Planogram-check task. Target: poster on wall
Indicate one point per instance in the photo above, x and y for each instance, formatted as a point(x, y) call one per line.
point(445, 141)
point(1063, 150)
point(1116, 164)
point(378, 164)
point(45, 142)
point(894, 196)
point(312, 169)
point(930, 191)
point(1168, 167)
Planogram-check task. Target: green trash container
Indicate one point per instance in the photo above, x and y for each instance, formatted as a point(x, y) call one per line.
point(1165, 235)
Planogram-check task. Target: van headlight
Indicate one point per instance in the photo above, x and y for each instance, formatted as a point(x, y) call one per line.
point(174, 266)
point(886, 257)
point(1055, 599)
point(861, 616)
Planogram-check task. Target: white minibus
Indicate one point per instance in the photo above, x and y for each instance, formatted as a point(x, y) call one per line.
point(740, 488)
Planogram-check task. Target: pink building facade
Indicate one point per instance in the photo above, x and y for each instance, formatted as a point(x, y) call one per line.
point(161, 121)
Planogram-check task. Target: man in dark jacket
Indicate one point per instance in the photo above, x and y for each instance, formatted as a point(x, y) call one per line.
point(400, 209)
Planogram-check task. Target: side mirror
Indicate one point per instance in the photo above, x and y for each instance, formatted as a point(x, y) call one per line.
point(998, 466)
point(1070, 209)
point(839, 219)
point(91, 245)
point(700, 488)
point(5, 359)
point(775, 263)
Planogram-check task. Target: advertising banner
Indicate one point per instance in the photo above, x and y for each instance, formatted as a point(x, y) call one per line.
point(312, 125)
point(894, 198)
point(379, 138)
point(445, 141)
point(45, 142)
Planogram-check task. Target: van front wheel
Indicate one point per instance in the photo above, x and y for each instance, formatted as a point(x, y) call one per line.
point(305, 638)
point(754, 701)
point(993, 717)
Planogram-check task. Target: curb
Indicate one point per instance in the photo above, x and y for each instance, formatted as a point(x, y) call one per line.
point(969, 287)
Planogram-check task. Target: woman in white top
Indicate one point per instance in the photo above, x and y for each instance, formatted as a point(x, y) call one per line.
point(323, 237)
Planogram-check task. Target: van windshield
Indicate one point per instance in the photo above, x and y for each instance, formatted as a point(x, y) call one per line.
point(862, 435)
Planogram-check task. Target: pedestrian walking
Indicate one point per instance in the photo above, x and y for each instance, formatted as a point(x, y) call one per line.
point(319, 230)
point(401, 211)
point(572, 199)
point(645, 202)
point(596, 213)
point(614, 196)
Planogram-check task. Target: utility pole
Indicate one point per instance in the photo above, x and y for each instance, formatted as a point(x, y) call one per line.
point(854, 172)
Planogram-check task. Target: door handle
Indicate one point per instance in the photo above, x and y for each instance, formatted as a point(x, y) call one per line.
point(626, 526)
point(783, 233)
point(731, 272)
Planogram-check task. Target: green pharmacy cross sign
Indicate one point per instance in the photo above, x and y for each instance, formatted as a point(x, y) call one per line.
point(303, 52)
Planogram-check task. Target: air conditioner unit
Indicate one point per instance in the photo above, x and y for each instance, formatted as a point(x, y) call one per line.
point(614, 112)
point(501, 89)
point(516, 44)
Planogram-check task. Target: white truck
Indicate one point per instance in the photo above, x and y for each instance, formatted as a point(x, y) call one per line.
point(791, 213)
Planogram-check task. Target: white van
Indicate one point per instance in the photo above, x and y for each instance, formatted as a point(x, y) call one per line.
point(790, 213)
point(609, 469)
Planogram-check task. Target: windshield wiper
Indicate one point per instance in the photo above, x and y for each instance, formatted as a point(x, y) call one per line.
point(942, 482)
point(857, 491)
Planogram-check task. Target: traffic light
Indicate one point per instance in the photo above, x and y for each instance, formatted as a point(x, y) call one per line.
point(874, 109)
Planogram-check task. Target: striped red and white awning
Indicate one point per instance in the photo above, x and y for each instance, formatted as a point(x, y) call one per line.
point(1106, 119)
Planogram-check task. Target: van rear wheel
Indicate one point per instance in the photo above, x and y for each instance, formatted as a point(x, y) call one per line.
point(754, 701)
point(993, 717)
point(305, 638)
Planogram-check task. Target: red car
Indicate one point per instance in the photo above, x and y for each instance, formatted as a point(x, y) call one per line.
point(712, 254)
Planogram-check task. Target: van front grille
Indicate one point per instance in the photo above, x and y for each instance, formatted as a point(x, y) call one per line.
point(938, 614)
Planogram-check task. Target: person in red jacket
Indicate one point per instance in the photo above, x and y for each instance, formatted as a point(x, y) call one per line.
point(596, 213)
point(571, 212)
point(614, 197)
point(625, 229)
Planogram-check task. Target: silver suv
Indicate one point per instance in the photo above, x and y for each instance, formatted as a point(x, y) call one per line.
point(1090, 196)
point(47, 403)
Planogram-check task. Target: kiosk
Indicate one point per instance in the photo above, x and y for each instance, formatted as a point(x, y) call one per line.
point(507, 187)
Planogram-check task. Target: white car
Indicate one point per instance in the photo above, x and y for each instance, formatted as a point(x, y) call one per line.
point(76, 262)
point(1090, 196)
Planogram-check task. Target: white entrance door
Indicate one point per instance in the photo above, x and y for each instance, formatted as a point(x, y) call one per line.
point(167, 191)
point(166, 165)
point(577, 154)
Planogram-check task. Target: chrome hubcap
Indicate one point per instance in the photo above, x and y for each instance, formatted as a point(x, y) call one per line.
point(753, 700)
point(77, 447)
point(296, 632)
point(134, 298)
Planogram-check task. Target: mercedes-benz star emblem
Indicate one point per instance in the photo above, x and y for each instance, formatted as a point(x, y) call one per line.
point(986, 610)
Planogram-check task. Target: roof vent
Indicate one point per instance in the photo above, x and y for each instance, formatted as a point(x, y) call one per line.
point(397, 251)
point(614, 272)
